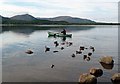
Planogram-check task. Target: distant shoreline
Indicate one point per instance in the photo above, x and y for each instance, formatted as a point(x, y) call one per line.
point(58, 25)
point(29, 20)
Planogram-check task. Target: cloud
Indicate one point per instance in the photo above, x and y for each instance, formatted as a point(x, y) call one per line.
point(99, 10)
point(60, 0)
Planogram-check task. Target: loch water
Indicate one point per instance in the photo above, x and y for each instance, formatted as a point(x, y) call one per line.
point(18, 66)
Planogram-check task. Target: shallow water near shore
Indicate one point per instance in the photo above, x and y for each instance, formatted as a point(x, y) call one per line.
point(17, 66)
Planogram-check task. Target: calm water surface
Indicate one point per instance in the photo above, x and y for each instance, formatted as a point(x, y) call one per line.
point(21, 67)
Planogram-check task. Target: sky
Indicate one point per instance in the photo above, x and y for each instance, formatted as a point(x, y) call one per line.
point(97, 10)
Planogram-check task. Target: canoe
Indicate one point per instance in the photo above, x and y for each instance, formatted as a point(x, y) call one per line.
point(59, 34)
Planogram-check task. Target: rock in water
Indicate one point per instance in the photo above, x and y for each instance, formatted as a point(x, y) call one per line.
point(93, 49)
point(87, 79)
point(62, 43)
point(29, 52)
point(84, 57)
point(78, 52)
point(55, 51)
point(82, 47)
point(62, 48)
point(86, 48)
point(88, 59)
point(89, 54)
point(96, 72)
point(107, 60)
point(47, 49)
point(116, 78)
point(73, 55)
point(56, 43)
point(70, 43)
point(52, 66)
point(107, 66)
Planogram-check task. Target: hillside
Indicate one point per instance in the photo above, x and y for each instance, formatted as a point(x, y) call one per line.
point(69, 19)
point(60, 20)
point(28, 19)
point(24, 17)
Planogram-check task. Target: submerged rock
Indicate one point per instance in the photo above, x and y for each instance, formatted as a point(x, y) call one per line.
point(62, 43)
point(116, 78)
point(106, 60)
point(87, 79)
point(96, 72)
point(107, 66)
point(69, 44)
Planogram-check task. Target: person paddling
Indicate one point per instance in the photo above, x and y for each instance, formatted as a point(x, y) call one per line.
point(64, 32)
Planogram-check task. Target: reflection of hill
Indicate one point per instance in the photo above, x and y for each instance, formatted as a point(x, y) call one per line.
point(25, 30)
point(28, 30)
point(79, 28)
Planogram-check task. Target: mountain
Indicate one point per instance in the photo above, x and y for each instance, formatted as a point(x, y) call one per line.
point(4, 18)
point(29, 19)
point(55, 20)
point(25, 17)
point(1, 17)
point(69, 19)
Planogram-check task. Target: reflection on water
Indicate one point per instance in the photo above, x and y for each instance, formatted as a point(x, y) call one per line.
point(19, 66)
point(13, 37)
point(29, 30)
point(62, 38)
point(107, 66)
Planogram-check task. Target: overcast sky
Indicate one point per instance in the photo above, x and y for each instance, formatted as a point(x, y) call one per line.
point(97, 10)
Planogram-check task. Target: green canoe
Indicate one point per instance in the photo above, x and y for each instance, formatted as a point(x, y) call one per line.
point(59, 34)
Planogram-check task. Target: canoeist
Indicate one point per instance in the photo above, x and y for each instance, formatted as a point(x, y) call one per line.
point(64, 32)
